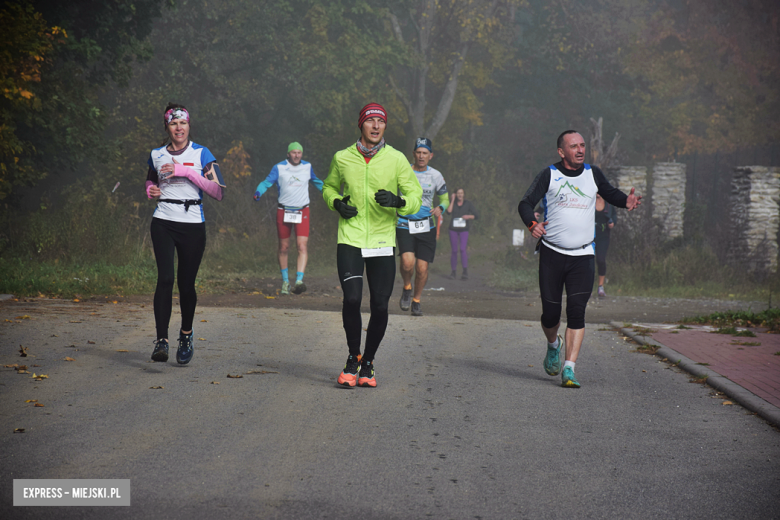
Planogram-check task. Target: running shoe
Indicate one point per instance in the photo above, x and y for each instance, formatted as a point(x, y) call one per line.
point(299, 288)
point(160, 352)
point(285, 287)
point(416, 309)
point(406, 299)
point(552, 361)
point(350, 373)
point(186, 351)
point(367, 374)
point(602, 294)
point(567, 378)
point(453, 275)
point(465, 274)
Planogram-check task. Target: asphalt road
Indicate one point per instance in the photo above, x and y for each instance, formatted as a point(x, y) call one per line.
point(464, 422)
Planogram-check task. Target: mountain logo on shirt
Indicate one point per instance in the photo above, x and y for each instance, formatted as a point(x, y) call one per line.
point(573, 189)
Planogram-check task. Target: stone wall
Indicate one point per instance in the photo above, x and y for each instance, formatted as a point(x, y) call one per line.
point(755, 216)
point(669, 197)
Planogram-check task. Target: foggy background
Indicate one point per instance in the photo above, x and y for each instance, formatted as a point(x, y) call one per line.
point(492, 83)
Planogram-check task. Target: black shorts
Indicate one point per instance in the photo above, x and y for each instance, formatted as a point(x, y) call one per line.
point(423, 245)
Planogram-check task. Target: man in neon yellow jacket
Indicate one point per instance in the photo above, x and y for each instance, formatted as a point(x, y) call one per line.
point(372, 173)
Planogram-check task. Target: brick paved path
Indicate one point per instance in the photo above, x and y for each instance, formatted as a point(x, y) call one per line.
point(755, 368)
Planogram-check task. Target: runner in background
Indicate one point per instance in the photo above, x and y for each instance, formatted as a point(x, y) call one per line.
point(606, 217)
point(371, 173)
point(416, 234)
point(179, 172)
point(292, 180)
point(463, 212)
point(566, 249)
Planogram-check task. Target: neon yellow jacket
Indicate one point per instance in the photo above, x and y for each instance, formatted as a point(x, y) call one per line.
point(373, 226)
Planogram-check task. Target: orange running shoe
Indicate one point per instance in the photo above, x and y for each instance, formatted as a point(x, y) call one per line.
point(349, 375)
point(367, 374)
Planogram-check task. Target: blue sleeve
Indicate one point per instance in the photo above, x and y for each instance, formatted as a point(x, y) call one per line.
point(206, 156)
point(269, 181)
point(316, 181)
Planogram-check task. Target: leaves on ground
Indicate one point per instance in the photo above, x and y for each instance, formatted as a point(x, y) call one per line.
point(204, 321)
point(25, 317)
point(122, 350)
point(39, 377)
point(69, 359)
point(260, 372)
point(18, 430)
point(746, 343)
point(31, 401)
point(214, 382)
point(726, 402)
point(39, 405)
point(75, 321)
point(22, 351)
point(237, 376)
point(156, 387)
point(90, 342)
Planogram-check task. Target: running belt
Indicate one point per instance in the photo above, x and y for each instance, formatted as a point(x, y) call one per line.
point(186, 203)
point(564, 248)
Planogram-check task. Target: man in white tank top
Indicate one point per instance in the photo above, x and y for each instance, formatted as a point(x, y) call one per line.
point(566, 232)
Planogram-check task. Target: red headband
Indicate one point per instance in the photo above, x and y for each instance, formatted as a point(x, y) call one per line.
point(372, 110)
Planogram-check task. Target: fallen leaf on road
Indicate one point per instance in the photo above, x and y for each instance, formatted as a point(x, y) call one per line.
point(39, 377)
point(25, 317)
point(114, 301)
point(15, 365)
point(531, 366)
point(38, 405)
point(36, 365)
point(237, 376)
point(644, 370)
point(202, 339)
point(31, 401)
point(270, 297)
point(214, 383)
point(122, 350)
point(22, 351)
point(76, 300)
point(54, 336)
point(204, 321)
point(69, 359)
point(727, 402)
point(261, 372)
point(156, 387)
point(19, 430)
point(75, 321)
point(90, 342)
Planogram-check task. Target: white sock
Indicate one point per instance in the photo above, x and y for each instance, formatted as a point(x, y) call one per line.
point(553, 345)
point(569, 364)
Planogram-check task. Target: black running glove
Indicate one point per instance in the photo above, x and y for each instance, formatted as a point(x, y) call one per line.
point(345, 210)
point(388, 199)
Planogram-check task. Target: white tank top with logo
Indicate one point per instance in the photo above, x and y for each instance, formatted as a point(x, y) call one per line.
point(570, 208)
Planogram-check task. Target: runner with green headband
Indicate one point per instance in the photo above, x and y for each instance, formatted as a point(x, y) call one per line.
point(292, 180)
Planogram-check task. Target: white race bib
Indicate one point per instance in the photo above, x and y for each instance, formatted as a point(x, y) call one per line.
point(293, 216)
point(377, 251)
point(458, 222)
point(419, 226)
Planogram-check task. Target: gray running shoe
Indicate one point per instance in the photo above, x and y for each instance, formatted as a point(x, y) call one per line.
point(416, 309)
point(406, 299)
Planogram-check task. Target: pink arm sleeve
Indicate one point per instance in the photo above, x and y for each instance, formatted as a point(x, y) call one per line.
point(211, 188)
point(149, 184)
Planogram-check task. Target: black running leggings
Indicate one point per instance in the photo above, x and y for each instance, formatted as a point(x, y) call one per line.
point(602, 244)
point(557, 270)
point(189, 242)
point(380, 271)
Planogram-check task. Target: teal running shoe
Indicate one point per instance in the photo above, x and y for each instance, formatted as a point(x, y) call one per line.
point(567, 378)
point(552, 361)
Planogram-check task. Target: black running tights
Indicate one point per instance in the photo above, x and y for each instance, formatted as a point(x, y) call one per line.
point(189, 242)
point(380, 272)
point(557, 271)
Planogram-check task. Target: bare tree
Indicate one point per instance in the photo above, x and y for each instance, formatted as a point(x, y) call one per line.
point(598, 156)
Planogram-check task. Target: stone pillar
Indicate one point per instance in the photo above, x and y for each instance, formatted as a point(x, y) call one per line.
point(755, 216)
point(631, 176)
point(669, 197)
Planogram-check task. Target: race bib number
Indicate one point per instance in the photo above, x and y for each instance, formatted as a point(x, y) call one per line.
point(419, 226)
point(377, 251)
point(458, 222)
point(293, 217)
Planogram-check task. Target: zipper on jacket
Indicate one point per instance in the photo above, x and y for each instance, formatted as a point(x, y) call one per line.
point(368, 212)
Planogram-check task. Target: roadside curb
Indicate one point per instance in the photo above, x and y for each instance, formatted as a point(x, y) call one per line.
point(744, 397)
